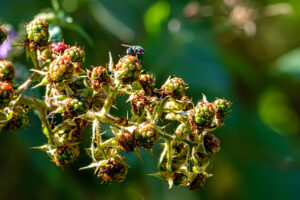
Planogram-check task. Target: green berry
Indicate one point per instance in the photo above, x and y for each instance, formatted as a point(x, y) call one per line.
point(203, 114)
point(174, 87)
point(113, 170)
point(3, 34)
point(7, 70)
point(76, 106)
point(6, 94)
point(38, 32)
point(99, 77)
point(222, 108)
point(65, 155)
point(146, 135)
point(60, 69)
point(128, 69)
point(75, 54)
point(19, 119)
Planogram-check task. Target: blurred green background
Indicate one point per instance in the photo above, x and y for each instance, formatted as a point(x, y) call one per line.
point(244, 50)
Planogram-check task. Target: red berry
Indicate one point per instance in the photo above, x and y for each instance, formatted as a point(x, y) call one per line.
point(6, 93)
point(58, 48)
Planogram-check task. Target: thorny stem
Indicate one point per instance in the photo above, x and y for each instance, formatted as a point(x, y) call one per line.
point(188, 158)
point(159, 110)
point(95, 127)
point(34, 58)
point(96, 138)
point(36, 103)
point(108, 102)
point(168, 137)
point(169, 164)
point(45, 125)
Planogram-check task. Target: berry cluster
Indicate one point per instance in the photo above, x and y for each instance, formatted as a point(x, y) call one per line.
point(76, 97)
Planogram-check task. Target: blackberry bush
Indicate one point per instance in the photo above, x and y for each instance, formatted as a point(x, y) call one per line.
point(76, 98)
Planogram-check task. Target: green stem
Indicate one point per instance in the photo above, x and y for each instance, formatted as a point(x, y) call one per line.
point(159, 110)
point(188, 158)
point(109, 101)
point(171, 137)
point(45, 126)
point(36, 103)
point(169, 160)
point(34, 58)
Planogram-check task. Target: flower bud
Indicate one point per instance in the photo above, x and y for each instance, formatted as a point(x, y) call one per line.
point(3, 34)
point(146, 135)
point(174, 87)
point(7, 70)
point(37, 33)
point(60, 69)
point(128, 69)
point(6, 94)
point(113, 170)
point(65, 155)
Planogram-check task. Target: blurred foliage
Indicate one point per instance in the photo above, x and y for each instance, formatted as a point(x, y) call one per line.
point(246, 51)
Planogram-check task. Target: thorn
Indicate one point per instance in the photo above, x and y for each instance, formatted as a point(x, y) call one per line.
point(38, 71)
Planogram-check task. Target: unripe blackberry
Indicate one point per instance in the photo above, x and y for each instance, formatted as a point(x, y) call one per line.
point(19, 119)
point(7, 70)
point(99, 77)
point(113, 170)
point(211, 143)
point(201, 116)
point(147, 82)
point(3, 34)
point(65, 155)
point(75, 54)
point(127, 140)
point(146, 135)
point(128, 68)
point(6, 94)
point(76, 106)
point(58, 48)
point(60, 69)
point(198, 181)
point(222, 108)
point(37, 32)
point(174, 87)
